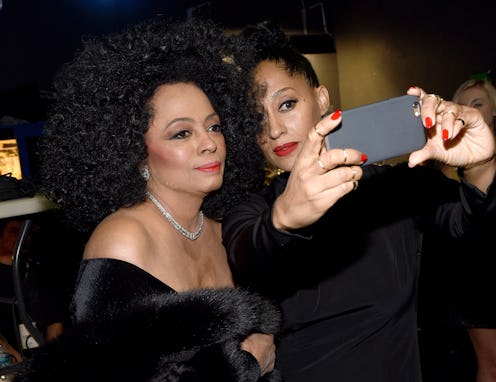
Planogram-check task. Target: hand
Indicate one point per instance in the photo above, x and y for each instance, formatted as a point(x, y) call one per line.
point(14, 354)
point(318, 179)
point(262, 347)
point(457, 134)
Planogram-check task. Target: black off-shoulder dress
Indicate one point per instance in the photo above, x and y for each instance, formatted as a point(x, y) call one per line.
point(129, 326)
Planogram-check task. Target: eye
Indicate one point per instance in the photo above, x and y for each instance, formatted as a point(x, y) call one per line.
point(288, 105)
point(181, 134)
point(216, 128)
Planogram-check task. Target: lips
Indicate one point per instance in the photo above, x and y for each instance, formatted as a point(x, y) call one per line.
point(285, 149)
point(210, 167)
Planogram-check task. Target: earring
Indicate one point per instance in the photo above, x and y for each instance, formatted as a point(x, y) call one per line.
point(145, 173)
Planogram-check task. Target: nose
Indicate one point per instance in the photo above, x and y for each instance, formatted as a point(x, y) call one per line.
point(274, 127)
point(207, 143)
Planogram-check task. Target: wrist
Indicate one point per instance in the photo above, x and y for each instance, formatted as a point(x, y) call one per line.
point(480, 175)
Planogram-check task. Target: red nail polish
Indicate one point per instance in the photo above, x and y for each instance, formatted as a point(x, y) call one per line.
point(364, 158)
point(428, 122)
point(336, 115)
point(412, 87)
point(445, 135)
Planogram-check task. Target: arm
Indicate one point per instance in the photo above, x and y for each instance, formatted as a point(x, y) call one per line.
point(253, 244)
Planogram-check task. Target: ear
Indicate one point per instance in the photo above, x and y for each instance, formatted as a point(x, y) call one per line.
point(322, 95)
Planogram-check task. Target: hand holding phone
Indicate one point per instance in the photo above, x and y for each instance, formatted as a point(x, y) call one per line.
point(381, 130)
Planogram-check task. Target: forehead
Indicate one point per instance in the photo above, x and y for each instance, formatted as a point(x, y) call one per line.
point(272, 77)
point(475, 92)
point(173, 95)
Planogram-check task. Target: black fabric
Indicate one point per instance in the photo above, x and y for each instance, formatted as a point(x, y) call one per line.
point(129, 326)
point(7, 324)
point(457, 283)
point(13, 188)
point(348, 284)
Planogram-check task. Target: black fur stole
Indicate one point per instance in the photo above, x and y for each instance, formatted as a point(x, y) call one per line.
point(190, 336)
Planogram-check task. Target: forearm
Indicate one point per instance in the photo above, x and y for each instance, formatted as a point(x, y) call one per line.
point(252, 242)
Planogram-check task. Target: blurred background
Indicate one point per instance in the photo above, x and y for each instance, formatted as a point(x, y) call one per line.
point(364, 50)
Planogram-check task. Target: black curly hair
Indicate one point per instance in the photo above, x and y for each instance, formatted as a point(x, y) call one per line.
point(93, 144)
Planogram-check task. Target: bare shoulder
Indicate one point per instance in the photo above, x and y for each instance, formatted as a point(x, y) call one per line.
point(120, 235)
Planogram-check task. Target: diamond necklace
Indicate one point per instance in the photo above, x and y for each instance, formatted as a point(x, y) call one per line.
point(190, 235)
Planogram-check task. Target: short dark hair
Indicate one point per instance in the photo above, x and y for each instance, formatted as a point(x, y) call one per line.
point(266, 41)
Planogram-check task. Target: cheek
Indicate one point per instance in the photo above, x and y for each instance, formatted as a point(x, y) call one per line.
point(164, 157)
point(299, 125)
point(266, 149)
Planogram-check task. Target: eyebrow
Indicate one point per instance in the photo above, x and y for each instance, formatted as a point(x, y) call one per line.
point(277, 92)
point(187, 119)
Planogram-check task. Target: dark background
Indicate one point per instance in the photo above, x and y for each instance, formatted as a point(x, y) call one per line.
point(37, 36)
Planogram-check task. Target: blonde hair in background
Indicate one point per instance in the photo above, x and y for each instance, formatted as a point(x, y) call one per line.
point(486, 84)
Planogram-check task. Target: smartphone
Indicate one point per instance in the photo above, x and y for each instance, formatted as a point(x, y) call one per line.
point(381, 130)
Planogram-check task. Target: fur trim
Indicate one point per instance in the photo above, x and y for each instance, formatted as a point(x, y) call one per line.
point(190, 336)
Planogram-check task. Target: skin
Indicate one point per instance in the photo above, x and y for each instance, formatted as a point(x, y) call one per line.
point(483, 339)
point(8, 240)
point(293, 108)
point(478, 98)
point(15, 355)
point(7, 243)
point(186, 155)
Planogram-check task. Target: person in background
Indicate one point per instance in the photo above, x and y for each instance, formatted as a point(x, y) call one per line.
point(457, 286)
point(136, 149)
point(47, 272)
point(335, 241)
point(15, 356)
point(52, 264)
point(9, 230)
point(478, 312)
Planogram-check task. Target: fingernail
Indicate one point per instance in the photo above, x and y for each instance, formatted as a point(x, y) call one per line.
point(412, 88)
point(336, 115)
point(428, 122)
point(364, 158)
point(445, 135)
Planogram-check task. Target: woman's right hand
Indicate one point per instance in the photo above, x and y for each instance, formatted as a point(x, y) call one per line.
point(318, 179)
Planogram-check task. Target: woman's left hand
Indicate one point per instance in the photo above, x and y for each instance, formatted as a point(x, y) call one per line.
point(457, 135)
point(262, 347)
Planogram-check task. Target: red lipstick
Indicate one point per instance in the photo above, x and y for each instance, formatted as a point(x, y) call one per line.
point(285, 149)
point(210, 167)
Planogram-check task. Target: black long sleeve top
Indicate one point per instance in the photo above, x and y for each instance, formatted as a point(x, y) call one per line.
point(347, 285)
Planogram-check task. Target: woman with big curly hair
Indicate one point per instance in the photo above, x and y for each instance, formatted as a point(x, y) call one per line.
point(136, 145)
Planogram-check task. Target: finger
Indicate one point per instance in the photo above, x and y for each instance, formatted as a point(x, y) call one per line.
point(418, 157)
point(321, 165)
point(430, 103)
point(343, 175)
point(451, 121)
point(414, 90)
point(338, 157)
point(326, 125)
point(430, 106)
